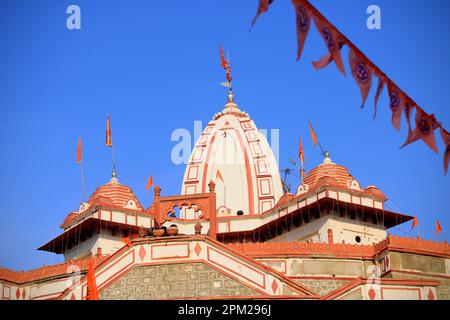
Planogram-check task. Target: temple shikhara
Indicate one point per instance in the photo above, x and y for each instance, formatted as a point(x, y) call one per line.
point(235, 231)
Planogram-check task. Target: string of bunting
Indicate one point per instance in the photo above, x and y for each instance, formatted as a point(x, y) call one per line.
point(363, 71)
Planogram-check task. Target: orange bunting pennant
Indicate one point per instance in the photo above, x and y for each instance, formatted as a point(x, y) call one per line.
point(79, 150)
point(380, 87)
point(219, 176)
point(408, 109)
point(313, 134)
point(333, 42)
point(362, 74)
point(108, 133)
point(301, 155)
point(438, 228)
point(425, 126)
point(263, 6)
point(414, 223)
point(323, 62)
point(149, 183)
point(303, 24)
point(92, 293)
point(397, 102)
point(446, 138)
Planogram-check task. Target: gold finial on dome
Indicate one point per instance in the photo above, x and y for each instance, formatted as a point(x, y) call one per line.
point(327, 159)
point(114, 179)
point(230, 96)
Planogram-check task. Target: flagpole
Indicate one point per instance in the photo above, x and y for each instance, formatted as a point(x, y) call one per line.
point(224, 195)
point(114, 160)
point(83, 194)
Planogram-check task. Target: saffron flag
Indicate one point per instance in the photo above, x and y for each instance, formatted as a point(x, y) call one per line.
point(397, 101)
point(127, 241)
point(438, 228)
point(313, 134)
point(301, 155)
point(263, 6)
point(219, 176)
point(149, 183)
point(229, 74)
point(415, 223)
point(425, 126)
point(79, 151)
point(303, 24)
point(108, 132)
point(446, 138)
point(225, 64)
point(380, 87)
point(223, 61)
point(92, 293)
point(333, 41)
point(362, 74)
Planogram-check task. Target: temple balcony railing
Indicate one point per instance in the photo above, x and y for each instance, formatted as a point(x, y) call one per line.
point(164, 208)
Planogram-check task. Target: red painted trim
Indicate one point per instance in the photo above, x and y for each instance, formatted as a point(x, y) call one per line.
point(275, 260)
point(3, 293)
point(322, 278)
point(205, 168)
point(56, 294)
point(417, 273)
point(104, 283)
point(191, 182)
point(350, 292)
point(400, 288)
point(263, 286)
point(248, 173)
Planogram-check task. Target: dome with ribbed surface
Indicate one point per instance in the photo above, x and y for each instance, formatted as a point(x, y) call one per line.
point(329, 174)
point(234, 154)
point(116, 194)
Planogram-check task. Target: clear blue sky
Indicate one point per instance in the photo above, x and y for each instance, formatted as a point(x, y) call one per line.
point(154, 66)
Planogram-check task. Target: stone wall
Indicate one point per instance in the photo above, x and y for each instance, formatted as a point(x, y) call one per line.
point(416, 262)
point(326, 267)
point(174, 281)
point(443, 290)
point(322, 287)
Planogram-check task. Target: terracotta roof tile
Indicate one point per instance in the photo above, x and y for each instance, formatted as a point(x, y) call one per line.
point(45, 272)
point(334, 175)
point(114, 193)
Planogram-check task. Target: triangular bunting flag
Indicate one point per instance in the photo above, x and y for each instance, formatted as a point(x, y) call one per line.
point(362, 74)
point(380, 87)
point(303, 24)
point(425, 126)
point(263, 6)
point(333, 42)
point(397, 101)
point(446, 139)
